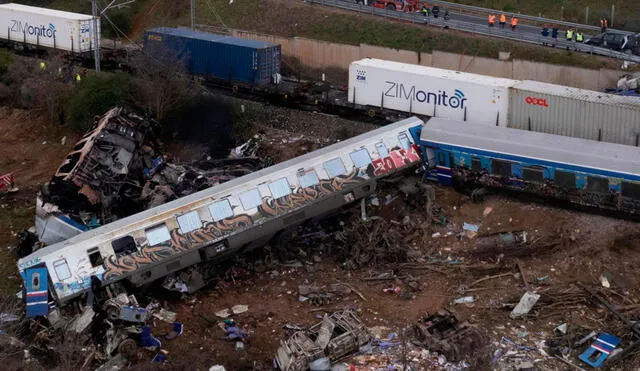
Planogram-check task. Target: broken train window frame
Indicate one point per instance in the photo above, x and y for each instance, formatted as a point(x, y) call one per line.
point(308, 179)
point(220, 210)
point(249, 199)
point(92, 253)
point(382, 149)
point(280, 188)
point(61, 264)
point(189, 222)
point(403, 139)
point(334, 167)
point(160, 234)
point(120, 248)
point(360, 157)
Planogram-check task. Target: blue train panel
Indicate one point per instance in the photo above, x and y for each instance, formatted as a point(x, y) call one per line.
point(220, 56)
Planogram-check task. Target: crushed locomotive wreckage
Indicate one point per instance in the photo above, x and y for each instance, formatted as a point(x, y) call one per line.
point(116, 170)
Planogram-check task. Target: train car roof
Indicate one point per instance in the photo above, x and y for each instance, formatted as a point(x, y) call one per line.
point(213, 37)
point(607, 157)
point(297, 162)
point(435, 72)
point(46, 12)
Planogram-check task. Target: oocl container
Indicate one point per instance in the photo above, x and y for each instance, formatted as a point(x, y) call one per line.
point(224, 57)
point(574, 112)
point(47, 27)
point(429, 91)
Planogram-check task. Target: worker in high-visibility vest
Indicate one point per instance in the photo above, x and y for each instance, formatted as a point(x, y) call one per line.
point(579, 37)
point(492, 20)
point(78, 78)
point(43, 66)
point(514, 23)
point(503, 20)
point(570, 34)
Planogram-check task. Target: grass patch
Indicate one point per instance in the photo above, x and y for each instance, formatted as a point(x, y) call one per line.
point(14, 217)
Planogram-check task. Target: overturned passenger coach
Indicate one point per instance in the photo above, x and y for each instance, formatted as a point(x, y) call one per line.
point(228, 218)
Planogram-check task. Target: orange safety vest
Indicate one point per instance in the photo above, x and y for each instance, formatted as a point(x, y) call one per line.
point(492, 19)
point(514, 21)
point(503, 18)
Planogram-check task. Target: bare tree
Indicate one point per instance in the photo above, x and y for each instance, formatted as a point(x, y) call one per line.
point(162, 84)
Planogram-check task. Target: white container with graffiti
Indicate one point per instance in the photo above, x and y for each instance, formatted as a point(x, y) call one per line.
point(50, 28)
point(429, 91)
point(574, 112)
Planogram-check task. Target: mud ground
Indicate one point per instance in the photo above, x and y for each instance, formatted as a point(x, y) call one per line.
point(567, 247)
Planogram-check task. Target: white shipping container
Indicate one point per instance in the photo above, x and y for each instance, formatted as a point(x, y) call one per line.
point(429, 91)
point(574, 112)
point(46, 27)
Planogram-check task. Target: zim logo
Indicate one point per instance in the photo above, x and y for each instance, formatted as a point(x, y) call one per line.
point(361, 75)
point(536, 101)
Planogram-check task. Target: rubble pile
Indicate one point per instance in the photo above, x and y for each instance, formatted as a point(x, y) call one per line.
point(117, 169)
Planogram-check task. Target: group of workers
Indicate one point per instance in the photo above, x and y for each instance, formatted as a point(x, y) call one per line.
point(570, 35)
point(43, 67)
point(503, 21)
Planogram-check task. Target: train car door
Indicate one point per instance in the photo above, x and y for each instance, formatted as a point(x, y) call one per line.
point(37, 294)
point(443, 167)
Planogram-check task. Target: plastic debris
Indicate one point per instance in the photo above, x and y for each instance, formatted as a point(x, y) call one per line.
point(561, 328)
point(217, 368)
point(320, 364)
point(527, 301)
point(147, 340)
point(605, 282)
point(464, 300)
point(470, 230)
point(237, 309)
point(176, 330)
point(224, 313)
point(435, 235)
point(487, 211)
point(392, 290)
point(8, 317)
point(165, 315)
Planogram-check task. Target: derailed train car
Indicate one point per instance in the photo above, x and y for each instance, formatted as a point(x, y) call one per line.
point(237, 215)
point(579, 171)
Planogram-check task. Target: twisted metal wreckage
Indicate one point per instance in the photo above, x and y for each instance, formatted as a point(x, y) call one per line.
point(116, 170)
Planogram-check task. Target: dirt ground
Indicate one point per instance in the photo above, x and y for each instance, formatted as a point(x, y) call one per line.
point(564, 247)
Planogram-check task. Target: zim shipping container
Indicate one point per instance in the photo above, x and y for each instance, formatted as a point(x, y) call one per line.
point(203, 53)
point(46, 27)
point(429, 91)
point(574, 112)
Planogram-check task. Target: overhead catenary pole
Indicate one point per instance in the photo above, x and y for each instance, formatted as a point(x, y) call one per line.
point(96, 36)
point(193, 14)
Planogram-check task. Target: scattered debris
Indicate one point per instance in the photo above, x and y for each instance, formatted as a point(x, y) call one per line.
point(237, 309)
point(598, 352)
point(527, 301)
point(464, 300)
point(339, 334)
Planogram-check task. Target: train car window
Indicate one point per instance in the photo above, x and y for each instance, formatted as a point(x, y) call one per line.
point(309, 179)
point(597, 184)
point(441, 159)
point(405, 143)
point(631, 190)
point(36, 282)
point(382, 150)
point(500, 167)
point(157, 235)
point(280, 188)
point(220, 210)
point(95, 258)
point(124, 245)
point(360, 158)
point(476, 165)
point(565, 179)
point(62, 269)
point(250, 199)
point(335, 167)
point(189, 222)
point(533, 174)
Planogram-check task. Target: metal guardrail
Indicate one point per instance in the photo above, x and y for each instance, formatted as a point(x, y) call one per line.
point(504, 33)
point(530, 18)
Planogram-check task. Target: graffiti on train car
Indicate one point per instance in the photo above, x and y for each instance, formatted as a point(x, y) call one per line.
point(116, 266)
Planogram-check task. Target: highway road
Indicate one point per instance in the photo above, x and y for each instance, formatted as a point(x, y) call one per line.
point(525, 32)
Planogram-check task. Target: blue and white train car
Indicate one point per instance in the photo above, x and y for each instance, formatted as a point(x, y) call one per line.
point(581, 171)
point(227, 218)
